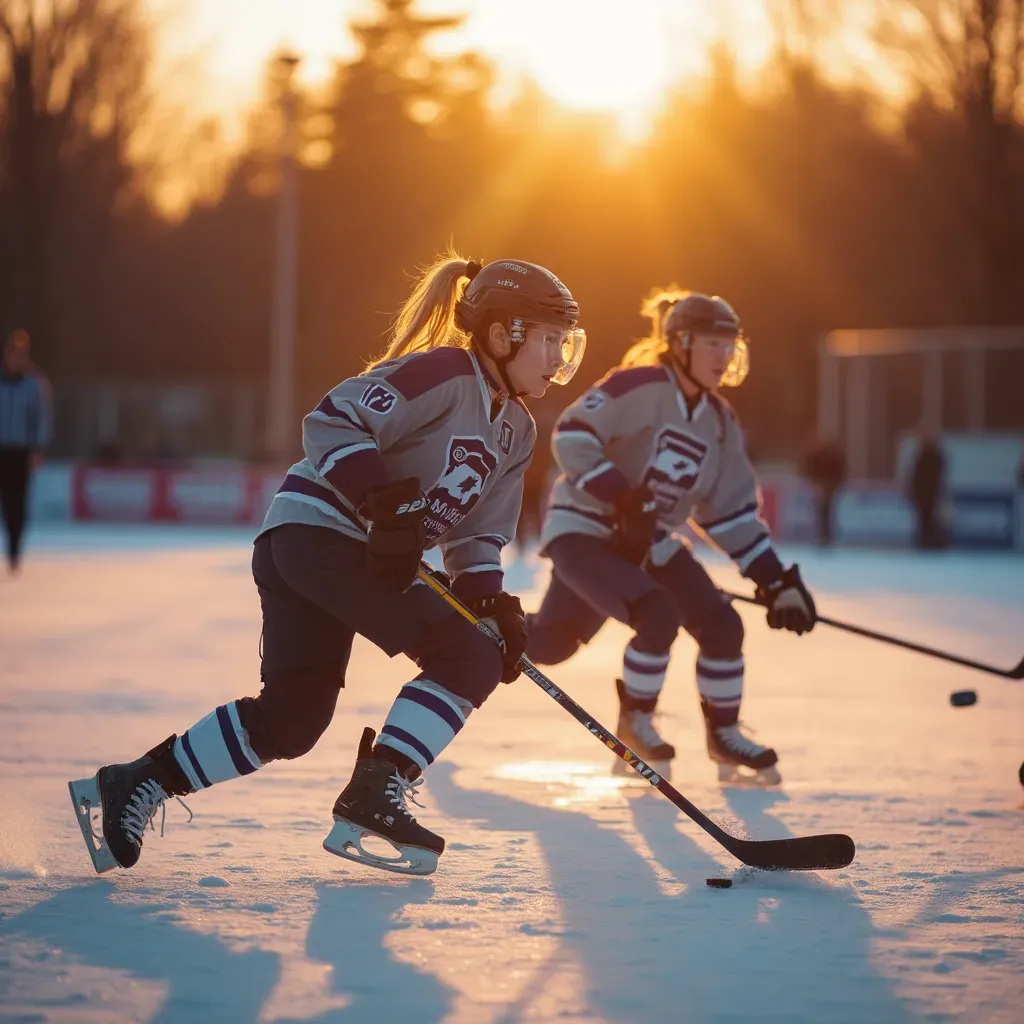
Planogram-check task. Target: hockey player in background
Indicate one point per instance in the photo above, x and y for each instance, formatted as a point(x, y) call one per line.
point(649, 447)
point(427, 447)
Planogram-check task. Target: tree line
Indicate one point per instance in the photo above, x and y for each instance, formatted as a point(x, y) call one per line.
point(808, 206)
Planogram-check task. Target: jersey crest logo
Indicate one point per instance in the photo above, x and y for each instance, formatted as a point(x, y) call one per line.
point(674, 466)
point(593, 400)
point(507, 433)
point(378, 399)
point(455, 494)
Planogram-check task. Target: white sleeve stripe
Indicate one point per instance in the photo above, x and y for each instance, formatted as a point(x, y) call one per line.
point(484, 567)
point(577, 435)
point(758, 549)
point(335, 457)
point(746, 517)
point(487, 538)
point(593, 474)
point(308, 499)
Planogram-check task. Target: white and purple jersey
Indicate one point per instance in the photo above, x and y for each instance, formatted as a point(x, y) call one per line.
point(427, 415)
point(634, 427)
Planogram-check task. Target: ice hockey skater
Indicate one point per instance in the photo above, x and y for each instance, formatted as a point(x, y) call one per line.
point(649, 447)
point(426, 447)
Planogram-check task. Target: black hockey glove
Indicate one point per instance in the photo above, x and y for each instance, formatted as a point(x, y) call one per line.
point(789, 602)
point(395, 540)
point(505, 612)
point(636, 519)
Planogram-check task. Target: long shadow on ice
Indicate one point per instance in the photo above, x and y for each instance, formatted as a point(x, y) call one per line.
point(207, 981)
point(348, 931)
point(787, 948)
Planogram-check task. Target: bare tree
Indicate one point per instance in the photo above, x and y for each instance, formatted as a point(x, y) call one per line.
point(73, 75)
point(968, 55)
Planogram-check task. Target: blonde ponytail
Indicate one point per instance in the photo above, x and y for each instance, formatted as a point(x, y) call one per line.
point(656, 307)
point(427, 319)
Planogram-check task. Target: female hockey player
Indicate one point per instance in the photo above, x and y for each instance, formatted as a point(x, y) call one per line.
point(647, 448)
point(427, 447)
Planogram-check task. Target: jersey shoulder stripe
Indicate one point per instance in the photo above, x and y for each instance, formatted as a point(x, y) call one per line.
point(621, 382)
point(416, 374)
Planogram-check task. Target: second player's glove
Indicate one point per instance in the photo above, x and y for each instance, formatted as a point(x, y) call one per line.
point(504, 614)
point(789, 602)
point(395, 539)
point(636, 519)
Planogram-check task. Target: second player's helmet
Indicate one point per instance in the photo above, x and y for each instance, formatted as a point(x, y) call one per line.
point(708, 315)
point(519, 294)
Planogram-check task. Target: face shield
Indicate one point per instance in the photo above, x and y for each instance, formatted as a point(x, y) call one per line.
point(568, 344)
point(734, 348)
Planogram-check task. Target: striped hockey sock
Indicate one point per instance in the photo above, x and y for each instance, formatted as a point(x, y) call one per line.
point(216, 749)
point(720, 684)
point(424, 719)
point(643, 673)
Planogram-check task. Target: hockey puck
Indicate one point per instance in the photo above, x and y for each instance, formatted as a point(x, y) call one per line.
point(719, 883)
point(963, 698)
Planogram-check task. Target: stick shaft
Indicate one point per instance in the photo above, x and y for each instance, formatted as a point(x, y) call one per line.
point(910, 645)
point(805, 853)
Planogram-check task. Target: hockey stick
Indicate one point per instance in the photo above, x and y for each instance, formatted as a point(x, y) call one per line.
point(1013, 673)
point(804, 853)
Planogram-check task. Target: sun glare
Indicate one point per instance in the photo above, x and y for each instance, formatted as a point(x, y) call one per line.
point(601, 56)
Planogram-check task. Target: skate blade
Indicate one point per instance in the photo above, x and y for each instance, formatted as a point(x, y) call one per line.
point(85, 795)
point(749, 778)
point(345, 840)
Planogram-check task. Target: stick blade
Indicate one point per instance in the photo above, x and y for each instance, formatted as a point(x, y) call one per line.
point(804, 853)
point(1018, 672)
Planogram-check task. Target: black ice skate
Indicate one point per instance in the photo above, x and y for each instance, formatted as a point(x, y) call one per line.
point(128, 797)
point(374, 804)
point(636, 726)
point(740, 760)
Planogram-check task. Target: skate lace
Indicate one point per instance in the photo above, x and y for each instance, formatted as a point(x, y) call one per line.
point(400, 790)
point(148, 798)
point(644, 728)
point(731, 737)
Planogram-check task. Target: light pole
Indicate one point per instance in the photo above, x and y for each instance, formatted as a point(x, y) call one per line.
point(281, 380)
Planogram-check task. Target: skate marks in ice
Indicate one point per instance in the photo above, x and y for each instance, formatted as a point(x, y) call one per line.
point(364, 846)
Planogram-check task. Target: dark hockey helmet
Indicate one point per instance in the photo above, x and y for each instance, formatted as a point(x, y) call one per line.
point(697, 313)
point(520, 294)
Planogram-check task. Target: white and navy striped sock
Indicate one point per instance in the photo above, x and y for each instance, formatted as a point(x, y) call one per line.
point(720, 684)
point(216, 749)
point(643, 673)
point(424, 719)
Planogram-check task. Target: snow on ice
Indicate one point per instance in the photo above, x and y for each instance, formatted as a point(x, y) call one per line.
point(567, 892)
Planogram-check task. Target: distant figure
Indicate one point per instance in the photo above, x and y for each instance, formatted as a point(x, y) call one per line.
point(926, 484)
point(825, 468)
point(25, 426)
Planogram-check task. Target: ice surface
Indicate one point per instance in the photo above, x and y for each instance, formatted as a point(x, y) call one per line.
point(566, 893)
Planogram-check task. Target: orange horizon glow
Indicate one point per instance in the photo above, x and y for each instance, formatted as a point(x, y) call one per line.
point(601, 56)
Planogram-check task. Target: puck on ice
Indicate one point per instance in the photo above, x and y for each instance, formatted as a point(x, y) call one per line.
point(719, 883)
point(963, 698)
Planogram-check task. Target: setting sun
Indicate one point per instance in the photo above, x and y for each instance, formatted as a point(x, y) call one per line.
point(597, 56)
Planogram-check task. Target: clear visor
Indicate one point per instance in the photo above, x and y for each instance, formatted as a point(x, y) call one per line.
point(734, 348)
point(568, 345)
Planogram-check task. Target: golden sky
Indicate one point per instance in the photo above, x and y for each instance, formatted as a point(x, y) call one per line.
point(611, 55)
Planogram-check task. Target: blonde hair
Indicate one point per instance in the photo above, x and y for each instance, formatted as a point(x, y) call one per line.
point(656, 307)
point(427, 319)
